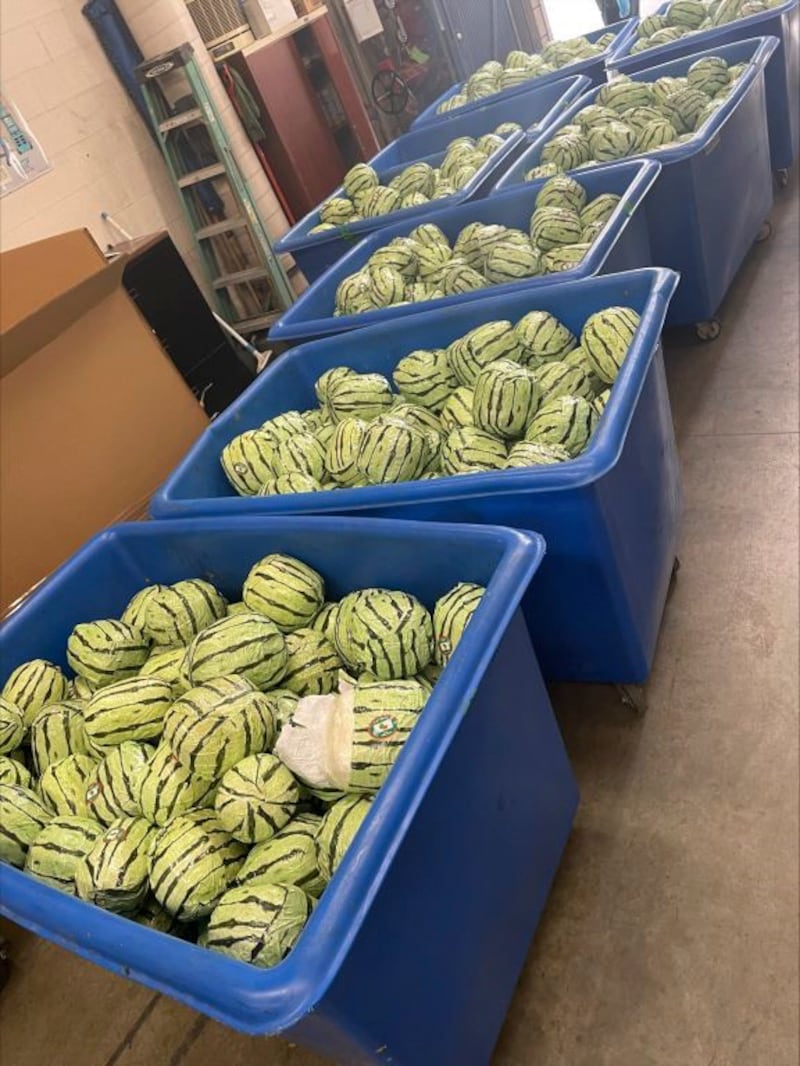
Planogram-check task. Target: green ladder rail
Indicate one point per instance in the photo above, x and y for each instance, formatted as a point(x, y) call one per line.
point(250, 286)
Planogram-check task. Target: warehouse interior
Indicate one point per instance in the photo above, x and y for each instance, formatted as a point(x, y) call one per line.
point(669, 933)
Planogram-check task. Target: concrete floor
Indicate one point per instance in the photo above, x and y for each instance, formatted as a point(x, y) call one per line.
point(671, 937)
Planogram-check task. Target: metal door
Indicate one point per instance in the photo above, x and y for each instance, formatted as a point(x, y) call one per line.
point(478, 30)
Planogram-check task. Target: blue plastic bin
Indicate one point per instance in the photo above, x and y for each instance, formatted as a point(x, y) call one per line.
point(782, 76)
point(535, 109)
point(594, 69)
point(623, 245)
point(412, 954)
point(610, 517)
point(714, 192)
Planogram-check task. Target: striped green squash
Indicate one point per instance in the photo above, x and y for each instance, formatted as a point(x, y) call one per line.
point(560, 379)
point(178, 613)
point(282, 703)
point(58, 731)
point(613, 140)
point(684, 107)
point(192, 861)
point(510, 262)
point(400, 256)
point(457, 411)
point(388, 286)
point(115, 785)
point(313, 664)
point(256, 798)
point(361, 395)
point(12, 726)
point(248, 644)
point(343, 450)
point(554, 226)
point(543, 338)
point(709, 75)
point(392, 451)
point(527, 453)
point(330, 377)
point(113, 873)
point(288, 858)
point(607, 335)
point(167, 664)
point(135, 613)
point(56, 852)
point(248, 461)
point(337, 211)
point(481, 346)
point(80, 689)
point(389, 633)
point(285, 590)
point(687, 14)
point(127, 710)
point(22, 817)
point(425, 377)
point(301, 454)
point(33, 686)
point(562, 191)
point(208, 740)
point(336, 832)
point(324, 621)
point(384, 713)
point(203, 700)
point(14, 772)
point(63, 784)
point(470, 450)
point(600, 209)
point(452, 614)
point(259, 924)
point(168, 788)
point(507, 396)
point(359, 181)
point(568, 421)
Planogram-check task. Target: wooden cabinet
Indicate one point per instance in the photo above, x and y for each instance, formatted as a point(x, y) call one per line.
point(314, 121)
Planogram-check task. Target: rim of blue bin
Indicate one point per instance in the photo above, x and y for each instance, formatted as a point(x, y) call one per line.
point(621, 30)
point(299, 236)
point(271, 1000)
point(756, 51)
point(601, 455)
point(644, 173)
point(622, 51)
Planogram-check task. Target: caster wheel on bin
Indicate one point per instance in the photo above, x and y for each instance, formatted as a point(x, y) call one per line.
point(764, 233)
point(634, 697)
point(782, 178)
point(708, 331)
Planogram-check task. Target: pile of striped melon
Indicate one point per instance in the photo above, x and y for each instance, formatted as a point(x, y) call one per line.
point(631, 117)
point(424, 266)
point(522, 67)
point(365, 196)
point(684, 18)
point(501, 397)
point(209, 763)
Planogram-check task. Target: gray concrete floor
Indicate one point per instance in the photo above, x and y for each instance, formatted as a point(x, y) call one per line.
point(671, 937)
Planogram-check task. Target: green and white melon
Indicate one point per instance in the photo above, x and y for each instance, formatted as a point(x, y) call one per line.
point(686, 14)
point(168, 787)
point(606, 337)
point(709, 75)
point(167, 664)
point(392, 451)
point(301, 454)
point(560, 379)
point(543, 338)
point(113, 873)
point(342, 456)
point(380, 201)
point(114, 787)
point(526, 453)
point(384, 713)
point(506, 397)
point(58, 731)
point(554, 226)
point(566, 152)
point(179, 612)
point(192, 862)
point(285, 590)
point(600, 209)
point(256, 797)
point(614, 140)
point(288, 858)
point(451, 616)
point(510, 261)
point(388, 633)
point(567, 421)
point(400, 255)
point(248, 644)
point(22, 817)
point(481, 346)
point(655, 135)
point(457, 411)
point(63, 784)
point(337, 211)
point(683, 108)
point(425, 377)
point(218, 724)
point(354, 294)
point(14, 772)
point(337, 830)
point(135, 613)
point(562, 191)
point(34, 685)
point(359, 181)
point(127, 710)
point(259, 924)
point(470, 450)
point(313, 664)
point(567, 257)
point(12, 726)
point(361, 395)
point(57, 850)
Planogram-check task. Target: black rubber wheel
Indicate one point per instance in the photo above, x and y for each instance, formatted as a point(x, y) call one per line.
point(390, 92)
point(708, 330)
point(764, 233)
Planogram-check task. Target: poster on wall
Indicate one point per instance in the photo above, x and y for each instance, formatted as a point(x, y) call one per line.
point(22, 159)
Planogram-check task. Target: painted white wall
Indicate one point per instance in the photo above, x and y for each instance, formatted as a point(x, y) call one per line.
point(52, 67)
